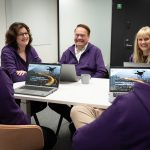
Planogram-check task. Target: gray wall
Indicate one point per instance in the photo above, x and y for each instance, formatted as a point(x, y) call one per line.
point(41, 17)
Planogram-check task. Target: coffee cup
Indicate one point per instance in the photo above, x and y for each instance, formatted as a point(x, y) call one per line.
point(85, 78)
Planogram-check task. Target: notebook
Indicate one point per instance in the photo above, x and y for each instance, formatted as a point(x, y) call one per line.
point(42, 79)
point(132, 64)
point(68, 73)
point(122, 79)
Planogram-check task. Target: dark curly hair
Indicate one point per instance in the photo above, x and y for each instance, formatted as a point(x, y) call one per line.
point(12, 33)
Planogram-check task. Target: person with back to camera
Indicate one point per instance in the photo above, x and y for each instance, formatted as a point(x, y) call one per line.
point(87, 58)
point(17, 54)
point(141, 52)
point(125, 125)
point(11, 114)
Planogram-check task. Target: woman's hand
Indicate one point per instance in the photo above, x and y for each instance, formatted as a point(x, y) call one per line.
point(21, 72)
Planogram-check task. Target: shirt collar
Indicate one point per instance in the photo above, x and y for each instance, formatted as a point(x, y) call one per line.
point(82, 50)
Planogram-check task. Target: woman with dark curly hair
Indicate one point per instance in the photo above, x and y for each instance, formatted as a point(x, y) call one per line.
point(17, 54)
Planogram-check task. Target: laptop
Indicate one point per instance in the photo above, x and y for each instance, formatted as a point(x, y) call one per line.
point(132, 64)
point(42, 79)
point(68, 73)
point(122, 79)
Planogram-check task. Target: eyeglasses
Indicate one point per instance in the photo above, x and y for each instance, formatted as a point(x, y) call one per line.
point(23, 34)
point(80, 35)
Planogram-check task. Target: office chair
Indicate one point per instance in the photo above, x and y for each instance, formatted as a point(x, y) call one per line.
point(108, 68)
point(36, 119)
point(21, 137)
point(59, 123)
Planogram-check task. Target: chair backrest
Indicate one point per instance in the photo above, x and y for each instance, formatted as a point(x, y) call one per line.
point(21, 137)
point(107, 67)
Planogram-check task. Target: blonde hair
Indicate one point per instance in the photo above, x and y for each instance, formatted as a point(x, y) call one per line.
point(138, 56)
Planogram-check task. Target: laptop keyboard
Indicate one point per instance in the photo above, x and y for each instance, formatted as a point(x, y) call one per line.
point(36, 88)
point(115, 94)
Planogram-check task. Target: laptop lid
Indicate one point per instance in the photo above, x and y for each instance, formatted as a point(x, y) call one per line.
point(68, 73)
point(132, 64)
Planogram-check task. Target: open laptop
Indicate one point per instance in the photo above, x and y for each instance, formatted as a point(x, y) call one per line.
point(68, 73)
point(42, 79)
point(132, 64)
point(122, 79)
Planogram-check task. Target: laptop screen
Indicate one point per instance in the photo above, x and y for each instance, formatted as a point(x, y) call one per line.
point(136, 65)
point(43, 74)
point(122, 79)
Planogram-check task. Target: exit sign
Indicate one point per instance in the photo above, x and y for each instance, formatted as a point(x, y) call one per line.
point(119, 6)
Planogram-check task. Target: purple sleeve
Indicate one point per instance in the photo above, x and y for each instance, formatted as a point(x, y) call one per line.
point(10, 112)
point(101, 134)
point(10, 61)
point(63, 58)
point(34, 58)
point(131, 58)
point(101, 70)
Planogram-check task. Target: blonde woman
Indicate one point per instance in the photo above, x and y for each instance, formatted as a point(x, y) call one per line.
point(141, 52)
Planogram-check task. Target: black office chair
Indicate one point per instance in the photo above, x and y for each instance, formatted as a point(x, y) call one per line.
point(36, 119)
point(37, 107)
point(71, 126)
point(59, 125)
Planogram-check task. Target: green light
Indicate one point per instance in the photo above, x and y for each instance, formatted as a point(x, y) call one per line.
point(119, 6)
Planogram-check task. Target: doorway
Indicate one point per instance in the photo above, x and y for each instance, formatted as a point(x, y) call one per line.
point(128, 16)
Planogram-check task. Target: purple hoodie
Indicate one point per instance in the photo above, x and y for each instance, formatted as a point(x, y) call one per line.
point(10, 112)
point(125, 125)
point(11, 60)
point(91, 61)
point(131, 58)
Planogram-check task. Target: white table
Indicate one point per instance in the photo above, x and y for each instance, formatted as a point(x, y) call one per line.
point(96, 94)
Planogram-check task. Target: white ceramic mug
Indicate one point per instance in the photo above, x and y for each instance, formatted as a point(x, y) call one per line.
point(85, 78)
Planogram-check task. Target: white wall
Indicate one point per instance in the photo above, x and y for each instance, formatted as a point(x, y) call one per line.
point(41, 17)
point(96, 14)
point(2, 24)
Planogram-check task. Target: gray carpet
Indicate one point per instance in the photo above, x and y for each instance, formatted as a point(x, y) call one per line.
point(49, 118)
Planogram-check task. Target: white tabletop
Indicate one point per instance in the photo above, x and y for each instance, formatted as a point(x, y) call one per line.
point(96, 93)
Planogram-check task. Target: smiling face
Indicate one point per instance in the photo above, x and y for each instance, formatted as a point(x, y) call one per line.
point(22, 37)
point(81, 37)
point(144, 44)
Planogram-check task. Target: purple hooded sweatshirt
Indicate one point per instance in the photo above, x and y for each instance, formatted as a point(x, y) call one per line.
point(131, 58)
point(11, 60)
point(125, 125)
point(91, 61)
point(10, 112)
